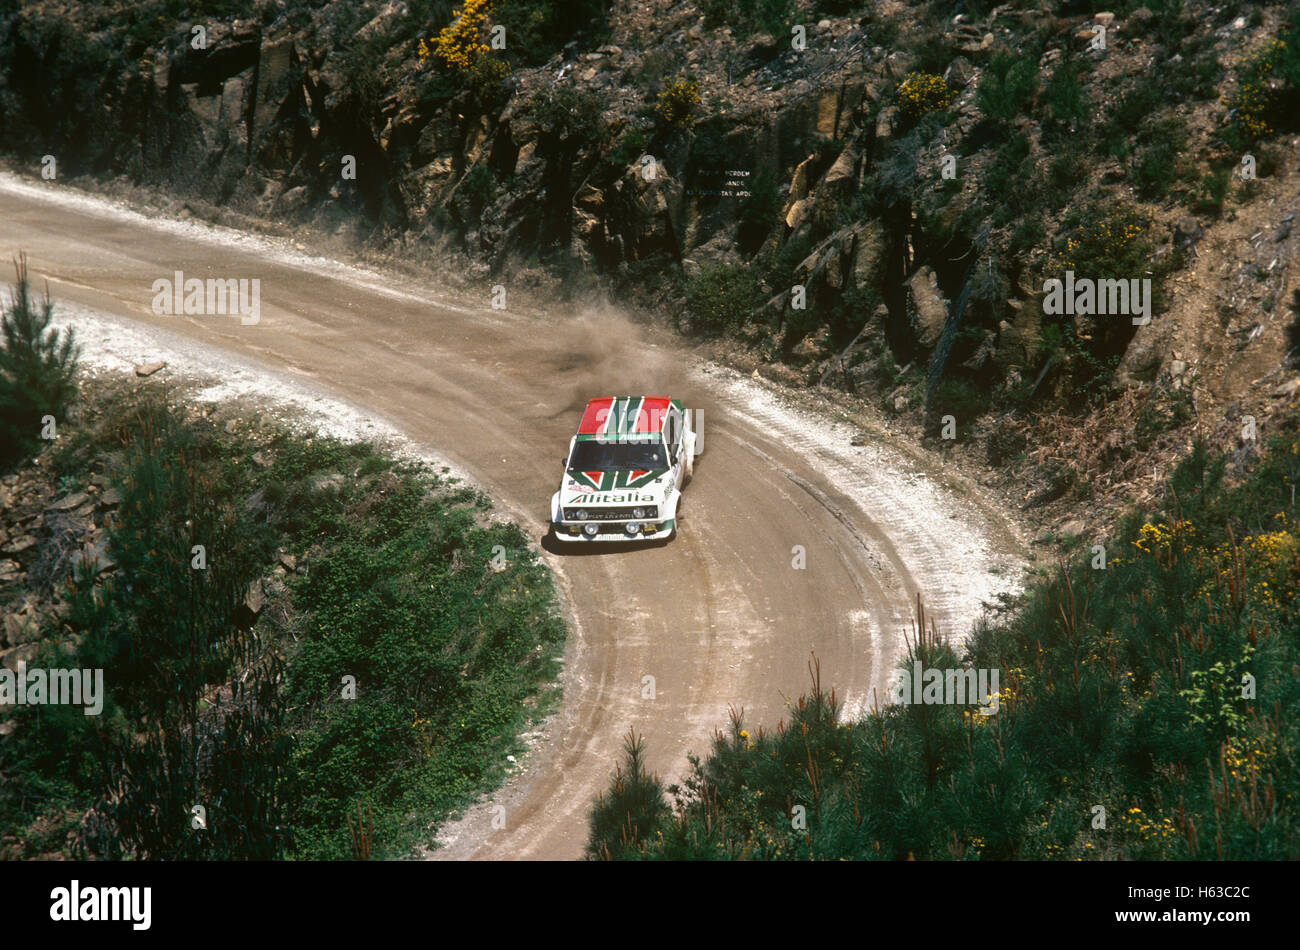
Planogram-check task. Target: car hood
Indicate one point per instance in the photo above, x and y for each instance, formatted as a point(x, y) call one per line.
point(614, 488)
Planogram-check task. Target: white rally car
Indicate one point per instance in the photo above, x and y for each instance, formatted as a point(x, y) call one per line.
point(625, 470)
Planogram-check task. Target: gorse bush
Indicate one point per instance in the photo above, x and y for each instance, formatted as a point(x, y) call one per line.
point(1162, 688)
point(1109, 242)
point(678, 102)
point(38, 368)
point(460, 44)
point(1268, 90)
point(920, 94)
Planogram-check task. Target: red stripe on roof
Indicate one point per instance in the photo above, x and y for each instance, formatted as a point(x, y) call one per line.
point(653, 414)
point(593, 419)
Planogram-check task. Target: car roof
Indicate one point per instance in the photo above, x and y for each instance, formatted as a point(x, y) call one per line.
point(619, 418)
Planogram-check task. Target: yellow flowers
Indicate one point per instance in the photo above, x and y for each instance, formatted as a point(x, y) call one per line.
point(1135, 822)
point(1153, 538)
point(1107, 240)
point(1243, 757)
point(920, 94)
point(1257, 96)
point(461, 44)
point(1255, 557)
point(678, 101)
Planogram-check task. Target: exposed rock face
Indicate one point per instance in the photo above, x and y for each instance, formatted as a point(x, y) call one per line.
point(928, 308)
point(806, 167)
point(264, 120)
point(43, 537)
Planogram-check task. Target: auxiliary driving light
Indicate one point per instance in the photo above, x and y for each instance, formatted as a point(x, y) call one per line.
point(632, 528)
point(590, 530)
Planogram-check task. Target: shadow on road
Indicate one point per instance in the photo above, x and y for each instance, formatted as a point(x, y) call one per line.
point(586, 548)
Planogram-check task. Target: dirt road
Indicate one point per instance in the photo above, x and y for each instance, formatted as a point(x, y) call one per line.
point(721, 617)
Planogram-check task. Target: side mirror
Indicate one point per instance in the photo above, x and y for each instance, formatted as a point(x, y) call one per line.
point(565, 463)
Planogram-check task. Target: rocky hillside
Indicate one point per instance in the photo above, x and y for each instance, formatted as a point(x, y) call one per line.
point(866, 196)
point(44, 529)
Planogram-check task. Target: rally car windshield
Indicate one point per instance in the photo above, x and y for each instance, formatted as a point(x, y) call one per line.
point(618, 457)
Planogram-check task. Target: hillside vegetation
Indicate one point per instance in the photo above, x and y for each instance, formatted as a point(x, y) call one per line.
point(1147, 710)
point(324, 648)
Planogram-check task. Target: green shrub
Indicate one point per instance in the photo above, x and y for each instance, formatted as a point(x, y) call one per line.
point(1214, 191)
point(621, 822)
point(1146, 97)
point(1155, 163)
point(567, 114)
point(1066, 102)
point(536, 30)
point(962, 399)
point(38, 368)
point(1010, 169)
point(628, 149)
point(778, 267)
point(480, 184)
point(1007, 86)
point(721, 298)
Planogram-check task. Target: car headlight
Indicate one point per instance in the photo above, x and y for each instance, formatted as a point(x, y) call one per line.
point(580, 514)
point(638, 512)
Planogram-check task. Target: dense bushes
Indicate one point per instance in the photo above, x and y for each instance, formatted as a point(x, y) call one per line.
point(1007, 86)
point(721, 298)
point(1160, 689)
point(444, 650)
point(445, 622)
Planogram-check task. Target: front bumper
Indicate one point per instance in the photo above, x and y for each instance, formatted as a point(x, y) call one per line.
point(612, 531)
